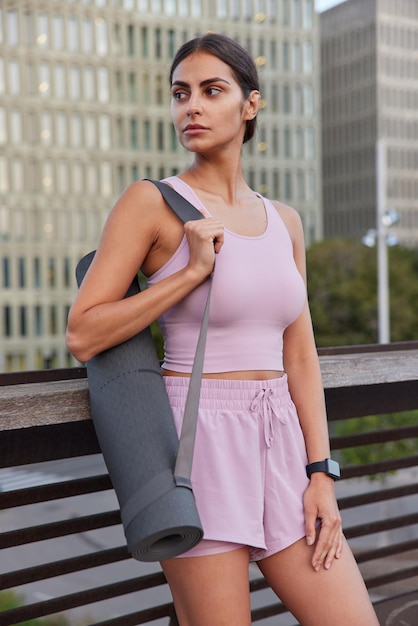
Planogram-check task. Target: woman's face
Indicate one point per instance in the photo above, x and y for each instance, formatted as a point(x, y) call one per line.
point(208, 107)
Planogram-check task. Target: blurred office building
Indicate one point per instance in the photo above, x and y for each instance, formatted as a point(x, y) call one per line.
point(85, 110)
point(369, 59)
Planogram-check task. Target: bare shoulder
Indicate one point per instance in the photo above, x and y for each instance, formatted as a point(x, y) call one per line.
point(138, 197)
point(291, 218)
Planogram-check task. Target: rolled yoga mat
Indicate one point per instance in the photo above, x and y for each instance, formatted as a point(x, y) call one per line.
point(136, 433)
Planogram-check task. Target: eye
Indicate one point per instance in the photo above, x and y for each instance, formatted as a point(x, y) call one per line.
point(179, 95)
point(213, 91)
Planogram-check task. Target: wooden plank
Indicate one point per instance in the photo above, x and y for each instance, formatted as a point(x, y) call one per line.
point(358, 380)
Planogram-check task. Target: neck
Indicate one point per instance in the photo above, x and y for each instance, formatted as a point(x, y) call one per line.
point(223, 177)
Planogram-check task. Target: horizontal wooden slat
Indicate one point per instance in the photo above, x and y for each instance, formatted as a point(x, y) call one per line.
point(60, 568)
point(55, 491)
point(32, 534)
point(81, 598)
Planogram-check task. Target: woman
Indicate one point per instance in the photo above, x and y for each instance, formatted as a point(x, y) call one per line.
point(262, 415)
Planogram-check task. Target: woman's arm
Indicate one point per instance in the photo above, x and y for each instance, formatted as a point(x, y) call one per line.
point(141, 231)
point(301, 364)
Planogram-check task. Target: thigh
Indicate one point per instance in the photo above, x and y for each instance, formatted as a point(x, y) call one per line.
point(324, 598)
point(210, 590)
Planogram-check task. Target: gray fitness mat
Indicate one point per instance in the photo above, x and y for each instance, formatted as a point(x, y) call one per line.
point(136, 432)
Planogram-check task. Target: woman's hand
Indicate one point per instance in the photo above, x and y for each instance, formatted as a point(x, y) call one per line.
point(205, 238)
point(320, 504)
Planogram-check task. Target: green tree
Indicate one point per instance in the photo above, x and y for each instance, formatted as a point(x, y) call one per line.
point(342, 288)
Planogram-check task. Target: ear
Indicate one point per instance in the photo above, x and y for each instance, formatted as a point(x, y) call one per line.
point(252, 104)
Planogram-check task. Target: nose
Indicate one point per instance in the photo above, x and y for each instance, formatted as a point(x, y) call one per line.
point(194, 105)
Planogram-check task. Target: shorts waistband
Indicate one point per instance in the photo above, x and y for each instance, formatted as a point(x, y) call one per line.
point(233, 394)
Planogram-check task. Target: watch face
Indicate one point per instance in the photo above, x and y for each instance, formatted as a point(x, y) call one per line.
point(333, 468)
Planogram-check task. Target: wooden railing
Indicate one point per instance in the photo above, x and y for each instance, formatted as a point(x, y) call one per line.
point(61, 542)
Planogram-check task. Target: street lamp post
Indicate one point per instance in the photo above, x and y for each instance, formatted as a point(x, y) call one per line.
point(382, 249)
point(380, 238)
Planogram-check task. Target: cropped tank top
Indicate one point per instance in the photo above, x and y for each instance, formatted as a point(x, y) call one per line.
point(257, 292)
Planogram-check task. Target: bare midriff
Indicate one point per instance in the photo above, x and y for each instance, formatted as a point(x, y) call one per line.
point(246, 375)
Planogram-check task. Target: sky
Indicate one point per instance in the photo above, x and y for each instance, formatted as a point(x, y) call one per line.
point(323, 5)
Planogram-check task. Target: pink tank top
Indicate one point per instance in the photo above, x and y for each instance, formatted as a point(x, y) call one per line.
point(257, 292)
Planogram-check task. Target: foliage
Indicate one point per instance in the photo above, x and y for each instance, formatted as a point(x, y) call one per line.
point(342, 288)
point(11, 600)
point(376, 452)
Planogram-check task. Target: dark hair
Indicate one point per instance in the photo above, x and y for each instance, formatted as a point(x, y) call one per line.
point(230, 52)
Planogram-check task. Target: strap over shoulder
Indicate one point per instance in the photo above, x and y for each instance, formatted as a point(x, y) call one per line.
point(184, 209)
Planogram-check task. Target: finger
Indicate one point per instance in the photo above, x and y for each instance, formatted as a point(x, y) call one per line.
point(335, 551)
point(310, 528)
point(329, 543)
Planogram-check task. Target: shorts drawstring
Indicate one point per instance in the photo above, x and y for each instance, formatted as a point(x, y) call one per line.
point(263, 403)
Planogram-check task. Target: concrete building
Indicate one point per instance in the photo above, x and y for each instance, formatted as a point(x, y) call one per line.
point(84, 110)
point(369, 59)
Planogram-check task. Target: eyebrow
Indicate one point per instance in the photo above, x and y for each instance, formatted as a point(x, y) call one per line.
point(204, 83)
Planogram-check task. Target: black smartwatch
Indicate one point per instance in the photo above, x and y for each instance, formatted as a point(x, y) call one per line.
point(328, 466)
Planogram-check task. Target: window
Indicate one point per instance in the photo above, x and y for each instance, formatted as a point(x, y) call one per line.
point(44, 80)
point(106, 186)
point(38, 321)
point(3, 127)
point(147, 134)
point(2, 81)
point(297, 101)
point(286, 99)
point(89, 84)
point(4, 187)
point(145, 89)
point(132, 87)
point(61, 129)
point(59, 81)
point(297, 58)
point(297, 15)
point(87, 35)
point(17, 174)
point(57, 32)
point(285, 12)
point(90, 131)
point(104, 132)
point(288, 185)
point(62, 177)
point(42, 38)
point(21, 272)
point(7, 321)
point(133, 127)
point(75, 83)
point(103, 84)
point(308, 57)
point(73, 40)
point(144, 42)
point(76, 130)
point(308, 102)
point(309, 144)
point(308, 14)
point(6, 272)
point(160, 136)
point(13, 27)
point(101, 37)
point(14, 78)
point(158, 43)
point(131, 40)
point(287, 142)
point(16, 136)
point(171, 43)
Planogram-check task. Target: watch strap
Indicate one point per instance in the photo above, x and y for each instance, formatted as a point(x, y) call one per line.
point(327, 466)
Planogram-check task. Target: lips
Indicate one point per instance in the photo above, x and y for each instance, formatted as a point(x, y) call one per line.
point(194, 129)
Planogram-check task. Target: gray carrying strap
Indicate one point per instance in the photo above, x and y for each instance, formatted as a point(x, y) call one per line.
point(183, 467)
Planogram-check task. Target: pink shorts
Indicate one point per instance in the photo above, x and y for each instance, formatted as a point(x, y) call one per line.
point(249, 463)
